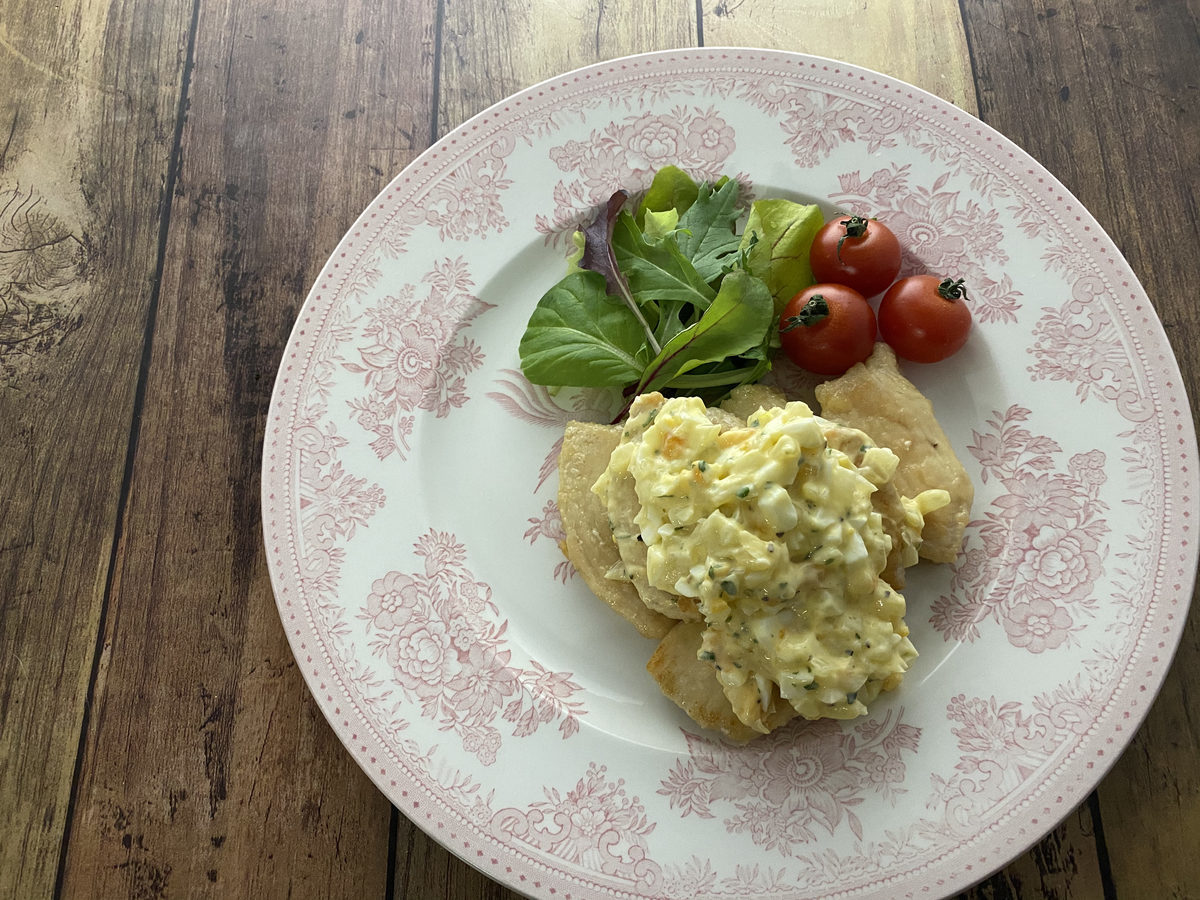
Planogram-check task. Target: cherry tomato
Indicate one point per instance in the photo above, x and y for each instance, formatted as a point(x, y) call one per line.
point(861, 253)
point(827, 328)
point(924, 318)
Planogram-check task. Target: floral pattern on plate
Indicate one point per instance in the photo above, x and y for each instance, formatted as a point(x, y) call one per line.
point(439, 632)
point(630, 152)
point(1033, 560)
point(409, 510)
point(785, 789)
point(411, 357)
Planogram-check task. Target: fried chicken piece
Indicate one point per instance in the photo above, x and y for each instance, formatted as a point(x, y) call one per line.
point(693, 686)
point(589, 544)
point(874, 397)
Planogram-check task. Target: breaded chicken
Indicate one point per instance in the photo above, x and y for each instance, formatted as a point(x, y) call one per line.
point(590, 547)
point(874, 397)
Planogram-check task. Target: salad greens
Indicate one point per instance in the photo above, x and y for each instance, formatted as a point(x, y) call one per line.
point(671, 296)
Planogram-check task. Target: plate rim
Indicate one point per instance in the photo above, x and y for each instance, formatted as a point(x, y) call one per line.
point(710, 56)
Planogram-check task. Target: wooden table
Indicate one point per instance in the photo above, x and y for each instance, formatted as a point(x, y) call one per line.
point(173, 175)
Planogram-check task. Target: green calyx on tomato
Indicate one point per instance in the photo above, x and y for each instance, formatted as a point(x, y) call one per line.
point(827, 328)
point(856, 227)
point(857, 251)
point(950, 289)
point(813, 312)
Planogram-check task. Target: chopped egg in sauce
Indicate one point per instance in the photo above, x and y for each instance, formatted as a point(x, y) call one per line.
point(771, 531)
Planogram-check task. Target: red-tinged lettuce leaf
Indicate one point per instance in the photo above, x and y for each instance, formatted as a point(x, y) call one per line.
point(599, 256)
point(598, 253)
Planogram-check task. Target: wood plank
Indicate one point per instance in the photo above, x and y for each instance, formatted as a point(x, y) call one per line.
point(1095, 91)
point(89, 99)
point(918, 41)
point(490, 50)
point(208, 766)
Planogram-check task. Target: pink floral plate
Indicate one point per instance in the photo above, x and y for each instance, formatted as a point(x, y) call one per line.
point(410, 521)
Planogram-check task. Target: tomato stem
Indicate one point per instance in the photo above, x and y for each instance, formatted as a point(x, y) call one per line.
point(813, 312)
point(856, 227)
point(950, 289)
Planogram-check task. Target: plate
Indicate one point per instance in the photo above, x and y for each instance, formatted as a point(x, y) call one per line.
point(411, 527)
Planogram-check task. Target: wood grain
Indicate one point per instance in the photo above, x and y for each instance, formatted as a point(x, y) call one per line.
point(490, 50)
point(209, 769)
point(918, 41)
point(1126, 146)
point(87, 125)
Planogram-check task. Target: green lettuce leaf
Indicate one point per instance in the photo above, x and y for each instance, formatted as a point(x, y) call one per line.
point(575, 257)
point(778, 254)
point(735, 322)
point(657, 225)
point(707, 234)
point(672, 188)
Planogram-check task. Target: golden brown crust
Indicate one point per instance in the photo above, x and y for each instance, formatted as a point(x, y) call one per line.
point(874, 397)
point(692, 684)
point(586, 449)
point(747, 399)
point(623, 507)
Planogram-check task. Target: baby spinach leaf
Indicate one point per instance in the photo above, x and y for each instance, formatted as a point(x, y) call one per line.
point(734, 323)
point(580, 336)
point(783, 233)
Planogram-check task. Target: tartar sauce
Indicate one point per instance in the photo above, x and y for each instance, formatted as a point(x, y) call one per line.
point(771, 531)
